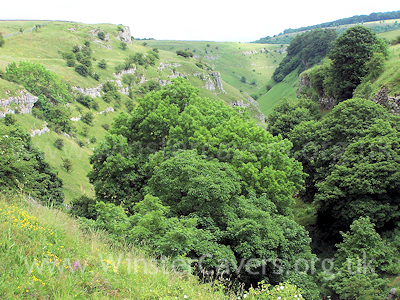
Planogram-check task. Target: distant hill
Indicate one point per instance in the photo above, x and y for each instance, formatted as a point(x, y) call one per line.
point(52, 45)
point(378, 22)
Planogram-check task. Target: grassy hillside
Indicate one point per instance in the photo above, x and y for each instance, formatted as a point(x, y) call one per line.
point(233, 60)
point(45, 46)
point(46, 256)
point(288, 87)
point(377, 26)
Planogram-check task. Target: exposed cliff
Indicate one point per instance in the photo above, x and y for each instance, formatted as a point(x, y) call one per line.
point(392, 102)
point(326, 101)
point(125, 36)
point(21, 104)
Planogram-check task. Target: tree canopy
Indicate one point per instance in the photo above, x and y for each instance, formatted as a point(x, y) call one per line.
point(199, 161)
point(350, 55)
point(304, 51)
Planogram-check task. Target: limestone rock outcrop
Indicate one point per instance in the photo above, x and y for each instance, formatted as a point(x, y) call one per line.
point(125, 36)
point(21, 104)
point(392, 102)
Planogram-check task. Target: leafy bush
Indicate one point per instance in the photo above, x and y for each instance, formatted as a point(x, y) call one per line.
point(101, 35)
point(106, 126)
point(87, 118)
point(70, 62)
point(2, 41)
point(87, 101)
point(59, 143)
point(96, 76)
point(81, 70)
point(78, 56)
point(67, 164)
point(102, 64)
point(123, 45)
point(185, 54)
point(10, 119)
point(23, 168)
point(75, 49)
point(86, 61)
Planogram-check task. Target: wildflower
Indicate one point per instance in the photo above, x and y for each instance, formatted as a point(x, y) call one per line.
point(282, 287)
point(185, 296)
point(76, 265)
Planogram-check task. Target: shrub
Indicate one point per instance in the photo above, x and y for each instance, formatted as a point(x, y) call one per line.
point(9, 119)
point(86, 61)
point(243, 79)
point(102, 64)
point(96, 76)
point(1, 40)
point(106, 126)
point(81, 143)
point(87, 118)
point(185, 54)
point(93, 139)
point(67, 164)
point(59, 143)
point(87, 43)
point(78, 56)
point(121, 28)
point(81, 70)
point(83, 207)
point(101, 35)
point(75, 49)
point(70, 62)
point(123, 46)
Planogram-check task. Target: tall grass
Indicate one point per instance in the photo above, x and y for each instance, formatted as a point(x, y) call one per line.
point(44, 255)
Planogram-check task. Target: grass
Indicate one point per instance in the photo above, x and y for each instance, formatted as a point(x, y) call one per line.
point(46, 256)
point(287, 88)
point(232, 60)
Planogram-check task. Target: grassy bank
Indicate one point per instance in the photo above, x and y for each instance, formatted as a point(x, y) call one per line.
point(46, 256)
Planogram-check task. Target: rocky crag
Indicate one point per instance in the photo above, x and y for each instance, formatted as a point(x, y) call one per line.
point(21, 104)
point(326, 101)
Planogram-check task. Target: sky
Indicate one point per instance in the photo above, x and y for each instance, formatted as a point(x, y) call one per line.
point(210, 20)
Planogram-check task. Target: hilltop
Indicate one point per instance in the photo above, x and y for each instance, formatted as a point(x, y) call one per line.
point(378, 22)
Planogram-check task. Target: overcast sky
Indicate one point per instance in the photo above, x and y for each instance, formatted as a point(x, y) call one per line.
point(213, 20)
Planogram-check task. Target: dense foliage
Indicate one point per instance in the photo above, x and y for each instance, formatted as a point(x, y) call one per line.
point(52, 92)
point(193, 177)
point(285, 38)
point(304, 51)
point(350, 56)
point(23, 168)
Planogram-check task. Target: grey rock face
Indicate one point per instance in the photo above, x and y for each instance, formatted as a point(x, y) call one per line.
point(22, 104)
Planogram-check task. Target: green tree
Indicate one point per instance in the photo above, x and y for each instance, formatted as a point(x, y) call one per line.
point(243, 79)
point(59, 143)
point(102, 64)
point(319, 145)
point(88, 118)
point(81, 70)
point(287, 114)
point(305, 50)
point(364, 182)
point(67, 164)
point(24, 169)
point(101, 35)
point(350, 55)
point(361, 258)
